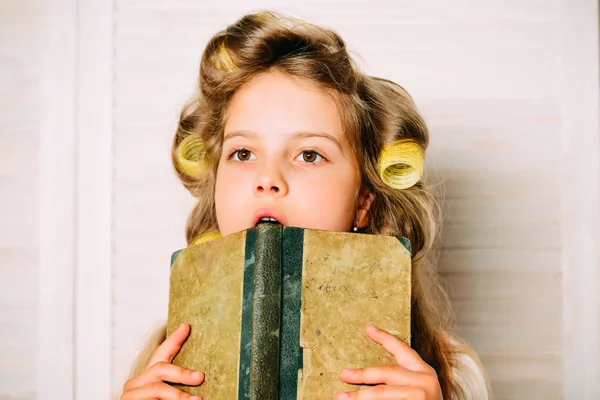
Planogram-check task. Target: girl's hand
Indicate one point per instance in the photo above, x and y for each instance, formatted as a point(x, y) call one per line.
point(150, 384)
point(412, 379)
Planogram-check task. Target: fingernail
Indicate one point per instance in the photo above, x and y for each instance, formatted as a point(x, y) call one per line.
point(194, 398)
point(342, 396)
point(196, 375)
point(346, 371)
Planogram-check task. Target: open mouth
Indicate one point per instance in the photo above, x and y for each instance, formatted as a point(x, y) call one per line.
point(268, 220)
point(268, 216)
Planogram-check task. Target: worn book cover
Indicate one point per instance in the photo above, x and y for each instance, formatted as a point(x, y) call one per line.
point(276, 312)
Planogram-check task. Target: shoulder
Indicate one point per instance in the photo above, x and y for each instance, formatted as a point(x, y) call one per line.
point(468, 373)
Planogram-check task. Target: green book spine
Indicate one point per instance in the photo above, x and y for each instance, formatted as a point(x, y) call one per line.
point(290, 357)
point(244, 381)
point(266, 314)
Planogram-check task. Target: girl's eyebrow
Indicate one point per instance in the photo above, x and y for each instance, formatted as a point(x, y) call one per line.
point(300, 134)
point(246, 134)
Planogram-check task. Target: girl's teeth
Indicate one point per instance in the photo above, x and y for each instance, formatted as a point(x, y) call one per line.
point(268, 219)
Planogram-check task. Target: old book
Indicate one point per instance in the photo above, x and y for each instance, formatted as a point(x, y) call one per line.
point(276, 312)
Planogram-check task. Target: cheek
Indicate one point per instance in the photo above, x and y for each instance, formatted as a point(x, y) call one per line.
point(220, 189)
point(228, 187)
point(329, 203)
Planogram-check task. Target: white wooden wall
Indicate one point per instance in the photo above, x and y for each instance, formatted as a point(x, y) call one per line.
point(20, 124)
point(90, 209)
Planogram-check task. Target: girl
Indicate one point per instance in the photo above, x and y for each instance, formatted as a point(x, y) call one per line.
point(285, 126)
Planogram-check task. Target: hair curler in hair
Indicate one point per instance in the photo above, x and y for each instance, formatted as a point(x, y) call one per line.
point(401, 163)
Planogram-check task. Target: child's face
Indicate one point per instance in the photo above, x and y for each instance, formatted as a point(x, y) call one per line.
point(285, 156)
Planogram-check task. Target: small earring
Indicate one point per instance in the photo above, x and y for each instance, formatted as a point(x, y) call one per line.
point(355, 229)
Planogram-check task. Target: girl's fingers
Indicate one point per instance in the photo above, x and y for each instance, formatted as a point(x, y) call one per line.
point(404, 355)
point(166, 372)
point(169, 348)
point(389, 375)
point(157, 390)
point(150, 384)
point(413, 379)
point(384, 392)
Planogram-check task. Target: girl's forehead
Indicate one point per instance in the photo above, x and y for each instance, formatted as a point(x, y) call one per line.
point(275, 102)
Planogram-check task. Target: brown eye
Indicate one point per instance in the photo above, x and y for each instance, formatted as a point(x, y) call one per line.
point(242, 155)
point(310, 156)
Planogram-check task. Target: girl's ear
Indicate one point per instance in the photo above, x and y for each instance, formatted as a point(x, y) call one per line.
point(365, 199)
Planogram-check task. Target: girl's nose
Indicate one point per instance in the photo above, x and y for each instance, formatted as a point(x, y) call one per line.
point(270, 182)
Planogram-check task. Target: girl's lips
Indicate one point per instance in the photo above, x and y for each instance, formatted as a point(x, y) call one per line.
point(268, 213)
point(268, 221)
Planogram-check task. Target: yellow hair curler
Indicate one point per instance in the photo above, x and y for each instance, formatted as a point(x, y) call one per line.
point(401, 163)
point(224, 60)
point(190, 155)
point(206, 237)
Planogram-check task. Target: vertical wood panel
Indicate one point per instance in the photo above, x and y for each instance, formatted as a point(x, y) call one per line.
point(19, 201)
point(94, 181)
point(581, 197)
point(57, 201)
